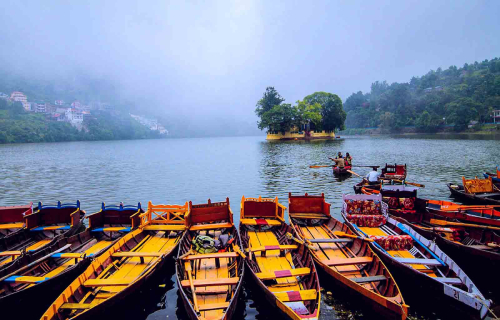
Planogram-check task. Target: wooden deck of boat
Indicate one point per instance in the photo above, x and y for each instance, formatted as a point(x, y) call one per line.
point(330, 251)
point(398, 253)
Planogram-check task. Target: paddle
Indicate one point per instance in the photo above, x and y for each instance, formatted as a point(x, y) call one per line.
point(237, 249)
point(354, 173)
point(308, 245)
point(320, 166)
point(343, 234)
point(459, 224)
point(365, 166)
point(410, 183)
point(187, 266)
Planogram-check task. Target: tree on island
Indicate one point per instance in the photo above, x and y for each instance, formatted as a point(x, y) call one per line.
point(318, 111)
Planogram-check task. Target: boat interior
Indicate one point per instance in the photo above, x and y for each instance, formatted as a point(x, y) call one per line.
point(209, 279)
point(12, 218)
point(42, 227)
point(129, 259)
point(284, 267)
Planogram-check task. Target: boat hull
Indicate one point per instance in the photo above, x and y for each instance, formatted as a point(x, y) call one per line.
point(493, 177)
point(471, 198)
point(342, 171)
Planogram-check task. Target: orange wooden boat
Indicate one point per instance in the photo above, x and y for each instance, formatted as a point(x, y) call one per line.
point(12, 218)
point(37, 278)
point(42, 227)
point(482, 214)
point(209, 283)
point(345, 257)
point(283, 269)
point(126, 266)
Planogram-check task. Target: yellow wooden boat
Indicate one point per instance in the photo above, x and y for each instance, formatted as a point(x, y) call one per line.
point(209, 283)
point(41, 228)
point(38, 278)
point(283, 269)
point(124, 267)
point(347, 259)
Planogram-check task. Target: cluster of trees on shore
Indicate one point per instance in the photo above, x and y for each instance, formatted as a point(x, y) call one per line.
point(17, 126)
point(454, 96)
point(318, 111)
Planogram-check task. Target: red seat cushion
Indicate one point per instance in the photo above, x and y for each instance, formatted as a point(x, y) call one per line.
point(399, 242)
point(365, 220)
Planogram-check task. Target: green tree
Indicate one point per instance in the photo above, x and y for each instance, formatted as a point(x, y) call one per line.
point(270, 99)
point(279, 119)
point(332, 112)
point(306, 113)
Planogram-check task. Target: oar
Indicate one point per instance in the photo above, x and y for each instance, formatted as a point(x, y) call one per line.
point(187, 266)
point(365, 166)
point(354, 173)
point(320, 166)
point(493, 245)
point(308, 244)
point(237, 249)
point(457, 207)
point(343, 234)
point(459, 224)
point(410, 183)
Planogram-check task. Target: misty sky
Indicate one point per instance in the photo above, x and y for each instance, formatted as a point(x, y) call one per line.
point(217, 57)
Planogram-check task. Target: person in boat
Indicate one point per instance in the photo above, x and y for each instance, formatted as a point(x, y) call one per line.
point(372, 176)
point(339, 161)
point(348, 159)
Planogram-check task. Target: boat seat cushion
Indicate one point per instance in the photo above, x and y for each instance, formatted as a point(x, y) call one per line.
point(261, 222)
point(299, 295)
point(362, 220)
point(399, 242)
point(370, 207)
point(283, 273)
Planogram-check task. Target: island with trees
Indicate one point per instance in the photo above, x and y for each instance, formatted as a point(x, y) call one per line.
point(317, 116)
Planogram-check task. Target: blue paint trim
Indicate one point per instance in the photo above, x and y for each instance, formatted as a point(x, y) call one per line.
point(59, 205)
point(124, 229)
point(403, 228)
point(56, 255)
point(13, 279)
point(43, 228)
point(120, 207)
point(366, 236)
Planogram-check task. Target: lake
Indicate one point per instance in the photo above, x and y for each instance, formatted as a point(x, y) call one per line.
point(178, 170)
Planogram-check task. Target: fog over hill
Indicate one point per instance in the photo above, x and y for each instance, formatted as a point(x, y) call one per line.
point(202, 66)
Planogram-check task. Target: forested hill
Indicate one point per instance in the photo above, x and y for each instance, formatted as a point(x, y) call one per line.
point(454, 96)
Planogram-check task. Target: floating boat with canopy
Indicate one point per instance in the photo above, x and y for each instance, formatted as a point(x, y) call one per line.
point(283, 269)
point(345, 257)
point(209, 276)
point(421, 268)
point(127, 265)
point(42, 228)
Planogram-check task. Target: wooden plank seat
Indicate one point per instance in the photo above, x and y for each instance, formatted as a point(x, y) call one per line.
point(211, 282)
point(25, 279)
point(10, 253)
point(11, 226)
point(217, 255)
point(369, 279)
point(136, 254)
point(213, 306)
point(283, 273)
point(343, 240)
point(67, 255)
point(47, 228)
point(300, 295)
point(347, 261)
point(427, 262)
point(277, 247)
point(112, 229)
point(211, 226)
point(77, 306)
point(309, 216)
point(205, 291)
point(449, 280)
point(108, 282)
point(260, 222)
point(170, 227)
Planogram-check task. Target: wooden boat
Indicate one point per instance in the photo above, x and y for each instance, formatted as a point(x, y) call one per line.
point(474, 247)
point(119, 272)
point(282, 269)
point(364, 184)
point(481, 214)
point(394, 172)
point(422, 269)
point(12, 218)
point(41, 229)
point(477, 191)
point(345, 257)
point(47, 272)
point(342, 171)
point(495, 177)
point(209, 283)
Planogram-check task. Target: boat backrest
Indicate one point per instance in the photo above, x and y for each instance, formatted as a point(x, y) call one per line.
point(478, 185)
point(209, 212)
point(15, 213)
point(54, 214)
point(262, 207)
point(356, 198)
point(164, 214)
point(396, 169)
point(401, 193)
point(114, 215)
point(308, 204)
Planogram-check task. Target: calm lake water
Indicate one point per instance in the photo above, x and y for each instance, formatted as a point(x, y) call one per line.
point(178, 170)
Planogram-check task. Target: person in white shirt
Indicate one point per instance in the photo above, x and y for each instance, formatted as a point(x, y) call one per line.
point(373, 176)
